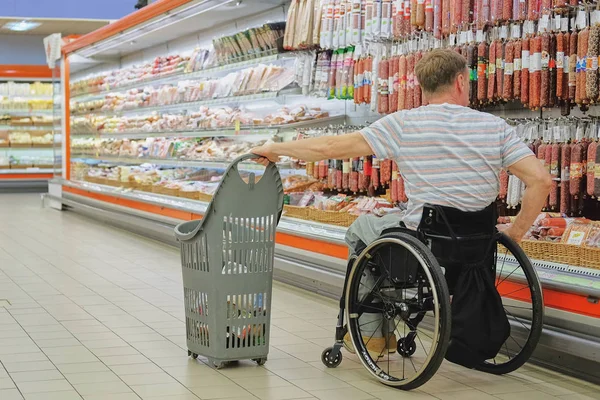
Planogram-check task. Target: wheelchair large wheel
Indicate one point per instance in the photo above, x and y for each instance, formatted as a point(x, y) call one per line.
point(522, 298)
point(394, 285)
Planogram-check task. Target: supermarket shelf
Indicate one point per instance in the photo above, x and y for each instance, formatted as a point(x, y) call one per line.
point(25, 148)
point(244, 130)
point(170, 78)
point(26, 127)
point(250, 166)
point(235, 100)
point(25, 113)
point(31, 170)
point(27, 97)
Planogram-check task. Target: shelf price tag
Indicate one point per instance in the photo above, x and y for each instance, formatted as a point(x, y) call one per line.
point(237, 126)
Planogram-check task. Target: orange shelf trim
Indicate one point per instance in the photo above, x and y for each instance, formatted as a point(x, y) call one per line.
point(25, 71)
point(25, 176)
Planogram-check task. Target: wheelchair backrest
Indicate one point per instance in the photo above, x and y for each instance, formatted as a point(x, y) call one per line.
point(458, 237)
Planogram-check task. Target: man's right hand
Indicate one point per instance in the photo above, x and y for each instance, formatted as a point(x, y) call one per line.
point(515, 233)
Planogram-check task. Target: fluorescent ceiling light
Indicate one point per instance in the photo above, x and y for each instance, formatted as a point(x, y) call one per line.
point(21, 26)
point(169, 18)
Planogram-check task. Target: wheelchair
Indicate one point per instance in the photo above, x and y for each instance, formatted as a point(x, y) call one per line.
point(398, 277)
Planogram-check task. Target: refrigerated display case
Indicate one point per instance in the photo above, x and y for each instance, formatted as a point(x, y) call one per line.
point(26, 127)
point(145, 143)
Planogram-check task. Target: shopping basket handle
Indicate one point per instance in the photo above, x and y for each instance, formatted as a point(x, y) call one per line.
point(249, 156)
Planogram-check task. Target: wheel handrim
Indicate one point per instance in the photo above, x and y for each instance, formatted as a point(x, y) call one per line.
point(384, 369)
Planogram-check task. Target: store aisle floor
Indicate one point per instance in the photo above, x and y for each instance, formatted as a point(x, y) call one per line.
point(96, 313)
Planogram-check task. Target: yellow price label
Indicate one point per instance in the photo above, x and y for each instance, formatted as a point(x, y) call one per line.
point(237, 126)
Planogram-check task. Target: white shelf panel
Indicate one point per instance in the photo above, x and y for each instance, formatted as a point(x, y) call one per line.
point(25, 113)
point(205, 73)
point(33, 170)
point(244, 130)
point(194, 105)
point(249, 166)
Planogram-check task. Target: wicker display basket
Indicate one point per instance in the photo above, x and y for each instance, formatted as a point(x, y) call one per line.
point(331, 217)
point(20, 145)
point(590, 257)
point(295, 212)
point(145, 187)
point(194, 194)
point(4, 166)
point(551, 251)
point(205, 197)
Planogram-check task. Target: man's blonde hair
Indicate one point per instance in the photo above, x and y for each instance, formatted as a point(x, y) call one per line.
point(438, 69)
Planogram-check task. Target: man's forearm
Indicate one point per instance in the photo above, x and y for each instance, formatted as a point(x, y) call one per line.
point(533, 201)
point(315, 149)
point(323, 148)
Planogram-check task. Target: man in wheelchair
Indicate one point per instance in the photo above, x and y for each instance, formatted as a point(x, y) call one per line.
point(450, 157)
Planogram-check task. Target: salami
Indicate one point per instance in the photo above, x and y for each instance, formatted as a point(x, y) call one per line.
point(429, 15)
point(545, 73)
point(401, 190)
point(591, 72)
point(573, 42)
point(517, 68)
point(437, 19)
point(420, 14)
point(522, 10)
point(591, 167)
point(375, 177)
point(507, 10)
point(597, 175)
point(525, 60)
point(385, 172)
point(576, 170)
point(560, 62)
point(402, 85)
point(535, 73)
point(582, 48)
point(491, 89)
point(499, 69)
point(472, 64)
point(496, 10)
point(354, 176)
point(393, 85)
point(555, 173)
point(465, 15)
point(445, 17)
point(552, 71)
point(507, 90)
point(503, 185)
point(394, 183)
point(482, 65)
point(565, 164)
point(532, 10)
point(383, 90)
point(410, 87)
point(417, 86)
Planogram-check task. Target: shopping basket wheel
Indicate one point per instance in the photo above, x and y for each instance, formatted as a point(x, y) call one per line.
point(406, 348)
point(331, 363)
point(260, 361)
point(218, 364)
point(194, 356)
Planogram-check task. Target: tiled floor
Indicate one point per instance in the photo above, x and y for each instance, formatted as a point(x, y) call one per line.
point(96, 313)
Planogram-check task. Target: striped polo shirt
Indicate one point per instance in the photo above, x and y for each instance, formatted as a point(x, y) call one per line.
point(448, 155)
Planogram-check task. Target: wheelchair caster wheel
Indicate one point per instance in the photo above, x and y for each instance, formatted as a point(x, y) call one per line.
point(406, 348)
point(194, 356)
point(331, 363)
point(260, 361)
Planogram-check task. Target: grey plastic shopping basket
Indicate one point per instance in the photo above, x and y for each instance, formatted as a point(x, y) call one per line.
point(227, 259)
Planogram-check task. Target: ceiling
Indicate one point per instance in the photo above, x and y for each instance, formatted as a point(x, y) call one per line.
point(49, 26)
